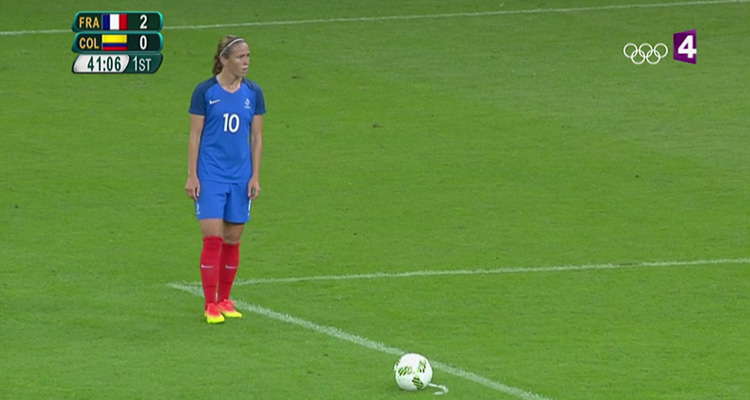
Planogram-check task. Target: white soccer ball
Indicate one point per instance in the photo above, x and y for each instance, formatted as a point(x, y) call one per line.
point(413, 372)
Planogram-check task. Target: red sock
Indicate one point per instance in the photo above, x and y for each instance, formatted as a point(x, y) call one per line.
point(210, 267)
point(230, 260)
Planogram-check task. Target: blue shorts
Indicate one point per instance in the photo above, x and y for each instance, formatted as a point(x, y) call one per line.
point(227, 201)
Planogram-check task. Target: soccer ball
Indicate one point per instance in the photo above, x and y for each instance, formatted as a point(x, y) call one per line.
point(413, 372)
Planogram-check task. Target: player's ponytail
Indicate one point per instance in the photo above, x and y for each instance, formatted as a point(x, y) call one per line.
point(222, 50)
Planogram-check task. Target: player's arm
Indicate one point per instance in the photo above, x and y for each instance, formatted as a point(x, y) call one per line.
point(192, 187)
point(256, 143)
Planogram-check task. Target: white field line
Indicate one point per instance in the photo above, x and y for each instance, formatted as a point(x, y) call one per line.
point(409, 17)
point(370, 344)
point(507, 270)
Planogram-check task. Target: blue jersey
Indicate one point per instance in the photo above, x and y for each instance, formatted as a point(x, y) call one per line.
point(225, 154)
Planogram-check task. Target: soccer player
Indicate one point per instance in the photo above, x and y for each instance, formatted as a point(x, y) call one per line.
point(224, 153)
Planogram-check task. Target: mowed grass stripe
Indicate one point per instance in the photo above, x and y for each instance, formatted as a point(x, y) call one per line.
point(370, 344)
point(409, 17)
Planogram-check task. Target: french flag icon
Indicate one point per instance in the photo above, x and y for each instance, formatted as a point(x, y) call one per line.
point(115, 22)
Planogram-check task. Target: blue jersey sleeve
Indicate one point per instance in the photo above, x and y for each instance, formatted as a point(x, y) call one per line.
point(260, 101)
point(198, 101)
point(260, 107)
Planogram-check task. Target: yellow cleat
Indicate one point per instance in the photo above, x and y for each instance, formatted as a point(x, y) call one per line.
point(226, 307)
point(213, 315)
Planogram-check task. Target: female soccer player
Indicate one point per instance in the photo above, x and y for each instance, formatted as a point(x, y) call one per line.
point(224, 153)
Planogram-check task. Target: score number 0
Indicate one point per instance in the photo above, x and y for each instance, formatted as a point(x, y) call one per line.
point(143, 41)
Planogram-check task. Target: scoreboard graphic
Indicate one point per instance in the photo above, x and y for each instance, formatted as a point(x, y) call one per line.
point(117, 42)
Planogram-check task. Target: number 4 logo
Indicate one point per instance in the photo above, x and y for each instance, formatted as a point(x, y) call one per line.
point(685, 46)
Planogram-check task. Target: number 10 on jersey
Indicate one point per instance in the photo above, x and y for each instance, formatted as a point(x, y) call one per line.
point(231, 122)
point(685, 46)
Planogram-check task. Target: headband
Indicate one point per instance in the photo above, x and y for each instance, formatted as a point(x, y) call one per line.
point(230, 45)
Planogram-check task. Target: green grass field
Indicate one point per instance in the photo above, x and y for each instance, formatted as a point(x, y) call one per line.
point(493, 185)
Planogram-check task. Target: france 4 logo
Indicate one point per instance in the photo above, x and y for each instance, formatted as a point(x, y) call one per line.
point(685, 45)
point(684, 49)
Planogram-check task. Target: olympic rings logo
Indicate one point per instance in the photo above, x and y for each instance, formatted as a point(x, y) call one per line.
point(645, 53)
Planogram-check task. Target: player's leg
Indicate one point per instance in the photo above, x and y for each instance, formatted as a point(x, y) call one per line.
point(230, 260)
point(237, 214)
point(209, 211)
point(211, 266)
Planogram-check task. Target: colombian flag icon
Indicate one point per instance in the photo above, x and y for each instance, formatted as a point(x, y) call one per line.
point(115, 42)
